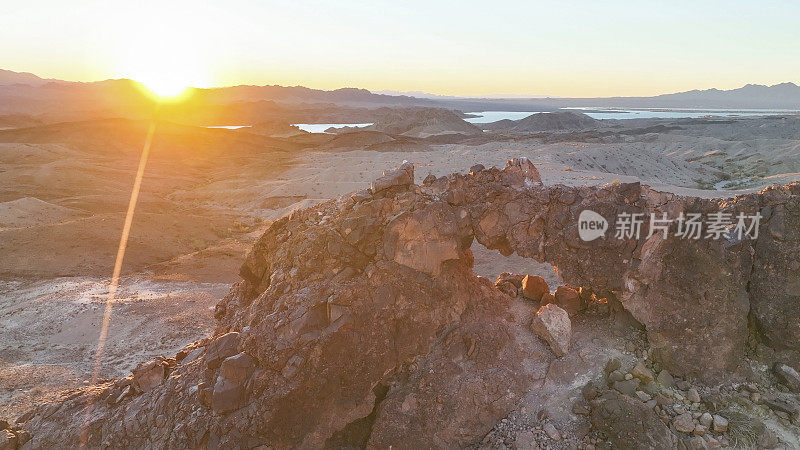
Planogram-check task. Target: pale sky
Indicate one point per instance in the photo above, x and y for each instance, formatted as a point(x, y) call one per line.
point(560, 48)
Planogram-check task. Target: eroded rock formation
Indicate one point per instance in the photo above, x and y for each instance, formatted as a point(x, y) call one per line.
point(359, 322)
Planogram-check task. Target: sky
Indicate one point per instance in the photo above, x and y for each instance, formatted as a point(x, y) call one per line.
point(558, 48)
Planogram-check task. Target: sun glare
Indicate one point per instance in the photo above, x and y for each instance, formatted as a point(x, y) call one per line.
point(166, 87)
point(167, 80)
point(166, 65)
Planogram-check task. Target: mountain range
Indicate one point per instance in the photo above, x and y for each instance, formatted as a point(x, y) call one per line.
point(27, 93)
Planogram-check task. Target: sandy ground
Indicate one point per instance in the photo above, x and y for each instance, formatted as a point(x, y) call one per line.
point(50, 330)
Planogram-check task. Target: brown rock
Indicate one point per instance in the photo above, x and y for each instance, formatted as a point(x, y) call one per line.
point(665, 379)
point(693, 396)
point(148, 375)
point(229, 391)
point(547, 298)
point(552, 324)
point(774, 284)
point(627, 387)
point(238, 367)
point(569, 299)
point(221, 348)
point(227, 395)
point(22, 437)
point(684, 423)
point(525, 440)
point(476, 168)
point(641, 372)
point(697, 443)
point(513, 278)
point(580, 408)
point(507, 288)
point(403, 176)
point(521, 172)
point(675, 323)
point(533, 287)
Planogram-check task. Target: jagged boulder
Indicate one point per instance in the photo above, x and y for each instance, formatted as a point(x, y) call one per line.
point(403, 176)
point(533, 287)
point(553, 325)
point(148, 375)
point(521, 172)
point(229, 391)
point(221, 348)
point(569, 299)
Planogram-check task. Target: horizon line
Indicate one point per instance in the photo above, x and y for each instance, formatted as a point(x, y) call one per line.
point(399, 93)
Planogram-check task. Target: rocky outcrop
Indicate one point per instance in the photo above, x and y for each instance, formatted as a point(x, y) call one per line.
point(775, 282)
point(359, 322)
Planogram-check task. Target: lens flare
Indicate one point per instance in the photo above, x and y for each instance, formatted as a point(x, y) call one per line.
point(114, 284)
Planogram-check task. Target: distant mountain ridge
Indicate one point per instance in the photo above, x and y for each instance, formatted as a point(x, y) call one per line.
point(783, 95)
point(754, 96)
point(11, 77)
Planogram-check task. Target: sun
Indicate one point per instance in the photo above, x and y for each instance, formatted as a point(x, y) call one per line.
point(168, 86)
point(168, 76)
point(165, 86)
point(166, 65)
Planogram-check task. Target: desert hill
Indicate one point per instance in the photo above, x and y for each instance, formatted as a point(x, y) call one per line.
point(554, 121)
point(423, 123)
point(107, 136)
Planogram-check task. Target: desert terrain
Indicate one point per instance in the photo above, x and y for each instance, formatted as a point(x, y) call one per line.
point(209, 193)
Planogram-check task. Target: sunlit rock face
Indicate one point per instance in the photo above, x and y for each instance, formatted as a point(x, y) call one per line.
point(359, 322)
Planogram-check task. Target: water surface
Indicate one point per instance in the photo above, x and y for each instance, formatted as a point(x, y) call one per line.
point(321, 127)
point(633, 113)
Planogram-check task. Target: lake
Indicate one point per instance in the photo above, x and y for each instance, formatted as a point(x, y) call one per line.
point(321, 127)
point(594, 112)
point(638, 113)
point(674, 113)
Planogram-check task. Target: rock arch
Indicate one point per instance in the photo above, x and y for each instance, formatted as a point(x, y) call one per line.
point(360, 322)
